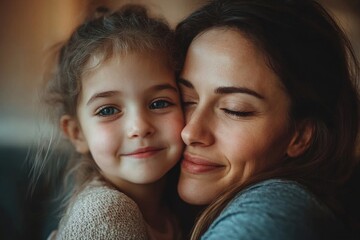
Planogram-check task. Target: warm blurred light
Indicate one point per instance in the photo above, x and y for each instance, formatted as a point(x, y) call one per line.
point(30, 27)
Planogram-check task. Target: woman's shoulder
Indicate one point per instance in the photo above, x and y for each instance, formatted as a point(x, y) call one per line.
point(276, 209)
point(283, 200)
point(100, 211)
point(286, 193)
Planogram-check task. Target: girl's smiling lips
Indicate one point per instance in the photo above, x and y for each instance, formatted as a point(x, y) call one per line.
point(196, 165)
point(144, 152)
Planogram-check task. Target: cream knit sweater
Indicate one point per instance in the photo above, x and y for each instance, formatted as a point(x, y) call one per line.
point(100, 212)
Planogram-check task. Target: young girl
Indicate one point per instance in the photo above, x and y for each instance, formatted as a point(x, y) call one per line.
point(117, 102)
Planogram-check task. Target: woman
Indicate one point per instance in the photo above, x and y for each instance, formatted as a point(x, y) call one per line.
point(272, 119)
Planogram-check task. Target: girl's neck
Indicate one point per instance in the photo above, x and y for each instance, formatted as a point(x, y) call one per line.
point(149, 198)
point(160, 222)
point(167, 230)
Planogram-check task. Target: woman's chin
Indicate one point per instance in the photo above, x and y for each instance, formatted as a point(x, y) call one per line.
point(193, 192)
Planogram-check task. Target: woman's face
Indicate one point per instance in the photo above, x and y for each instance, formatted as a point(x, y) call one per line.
point(236, 114)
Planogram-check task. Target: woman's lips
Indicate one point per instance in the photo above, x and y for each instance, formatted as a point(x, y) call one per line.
point(197, 165)
point(143, 152)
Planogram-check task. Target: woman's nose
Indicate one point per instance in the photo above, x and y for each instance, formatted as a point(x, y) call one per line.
point(140, 126)
point(198, 130)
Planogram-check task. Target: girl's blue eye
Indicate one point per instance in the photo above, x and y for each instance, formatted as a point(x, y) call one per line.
point(108, 111)
point(158, 104)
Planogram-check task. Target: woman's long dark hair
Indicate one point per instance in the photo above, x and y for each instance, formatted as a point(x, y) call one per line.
point(314, 60)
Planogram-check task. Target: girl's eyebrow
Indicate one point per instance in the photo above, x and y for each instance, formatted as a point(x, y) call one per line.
point(165, 86)
point(224, 90)
point(102, 95)
point(105, 94)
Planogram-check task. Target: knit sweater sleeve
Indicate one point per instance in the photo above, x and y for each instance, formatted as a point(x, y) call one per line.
point(102, 213)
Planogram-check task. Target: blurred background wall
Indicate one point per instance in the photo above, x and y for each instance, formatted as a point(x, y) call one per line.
point(28, 29)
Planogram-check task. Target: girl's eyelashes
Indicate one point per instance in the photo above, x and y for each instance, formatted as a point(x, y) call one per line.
point(238, 114)
point(107, 111)
point(159, 104)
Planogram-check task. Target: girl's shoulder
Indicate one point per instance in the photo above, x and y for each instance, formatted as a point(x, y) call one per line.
point(98, 192)
point(276, 209)
point(102, 212)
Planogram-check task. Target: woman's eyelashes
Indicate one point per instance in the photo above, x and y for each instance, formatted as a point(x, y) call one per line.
point(191, 102)
point(187, 101)
point(238, 114)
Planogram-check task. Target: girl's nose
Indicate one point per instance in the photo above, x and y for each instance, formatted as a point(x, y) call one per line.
point(198, 130)
point(140, 126)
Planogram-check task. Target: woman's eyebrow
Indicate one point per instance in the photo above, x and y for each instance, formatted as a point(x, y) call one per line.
point(186, 83)
point(227, 90)
point(224, 90)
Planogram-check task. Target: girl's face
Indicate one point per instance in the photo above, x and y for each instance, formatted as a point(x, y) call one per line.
point(130, 118)
point(236, 115)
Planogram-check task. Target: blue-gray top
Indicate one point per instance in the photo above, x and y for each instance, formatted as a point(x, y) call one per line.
point(277, 210)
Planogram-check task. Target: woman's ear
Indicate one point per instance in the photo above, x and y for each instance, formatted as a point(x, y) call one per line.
point(71, 128)
point(301, 139)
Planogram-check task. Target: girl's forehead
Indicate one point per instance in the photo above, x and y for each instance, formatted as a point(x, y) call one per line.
point(97, 59)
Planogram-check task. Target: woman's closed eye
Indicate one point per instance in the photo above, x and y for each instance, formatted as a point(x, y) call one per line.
point(188, 103)
point(107, 111)
point(238, 114)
